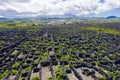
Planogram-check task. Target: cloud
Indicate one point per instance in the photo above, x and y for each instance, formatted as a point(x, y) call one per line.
point(1, 16)
point(56, 7)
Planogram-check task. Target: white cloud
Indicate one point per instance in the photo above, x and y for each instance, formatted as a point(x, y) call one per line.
point(1, 16)
point(57, 7)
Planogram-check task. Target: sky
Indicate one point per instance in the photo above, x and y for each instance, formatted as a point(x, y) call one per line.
point(35, 8)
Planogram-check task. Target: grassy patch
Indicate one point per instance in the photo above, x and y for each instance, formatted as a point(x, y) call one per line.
point(104, 30)
point(7, 26)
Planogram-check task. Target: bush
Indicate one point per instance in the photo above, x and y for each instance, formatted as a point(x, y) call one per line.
point(14, 72)
point(35, 78)
point(4, 74)
point(102, 78)
point(60, 76)
point(16, 64)
point(51, 78)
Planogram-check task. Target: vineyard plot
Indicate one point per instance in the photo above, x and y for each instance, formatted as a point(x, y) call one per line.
point(59, 53)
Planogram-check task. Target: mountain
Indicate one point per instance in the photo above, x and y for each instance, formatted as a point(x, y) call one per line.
point(111, 17)
point(3, 19)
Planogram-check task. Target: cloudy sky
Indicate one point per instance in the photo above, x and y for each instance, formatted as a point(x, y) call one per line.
point(33, 8)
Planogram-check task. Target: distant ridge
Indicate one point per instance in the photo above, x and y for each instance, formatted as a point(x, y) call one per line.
point(111, 17)
point(3, 19)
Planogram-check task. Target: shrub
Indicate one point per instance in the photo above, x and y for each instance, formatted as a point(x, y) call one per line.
point(14, 71)
point(35, 78)
point(102, 78)
point(4, 74)
point(16, 64)
point(60, 76)
point(51, 78)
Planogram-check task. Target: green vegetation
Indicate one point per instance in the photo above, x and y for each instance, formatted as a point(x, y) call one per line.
point(16, 64)
point(63, 49)
point(104, 30)
point(14, 72)
point(70, 49)
point(27, 69)
point(66, 67)
point(4, 74)
point(59, 74)
point(51, 78)
point(84, 51)
point(35, 78)
point(15, 52)
point(103, 78)
point(10, 25)
point(21, 56)
point(43, 56)
point(58, 53)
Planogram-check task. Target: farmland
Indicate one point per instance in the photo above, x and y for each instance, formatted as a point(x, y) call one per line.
point(72, 50)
